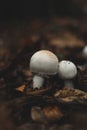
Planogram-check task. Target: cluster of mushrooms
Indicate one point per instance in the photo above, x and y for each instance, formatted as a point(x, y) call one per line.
point(44, 63)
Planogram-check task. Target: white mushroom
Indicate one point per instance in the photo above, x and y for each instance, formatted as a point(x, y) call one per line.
point(43, 63)
point(84, 52)
point(67, 71)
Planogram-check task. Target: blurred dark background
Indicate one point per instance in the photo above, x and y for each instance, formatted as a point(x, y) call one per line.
point(27, 9)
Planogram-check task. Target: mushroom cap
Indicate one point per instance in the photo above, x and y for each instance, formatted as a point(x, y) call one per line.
point(67, 69)
point(84, 52)
point(44, 62)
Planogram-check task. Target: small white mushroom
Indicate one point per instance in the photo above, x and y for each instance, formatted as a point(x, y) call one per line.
point(67, 71)
point(43, 63)
point(84, 52)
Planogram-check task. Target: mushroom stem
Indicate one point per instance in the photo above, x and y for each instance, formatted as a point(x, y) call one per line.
point(38, 81)
point(68, 83)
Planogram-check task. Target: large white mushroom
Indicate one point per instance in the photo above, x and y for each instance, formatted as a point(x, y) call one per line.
point(43, 63)
point(67, 71)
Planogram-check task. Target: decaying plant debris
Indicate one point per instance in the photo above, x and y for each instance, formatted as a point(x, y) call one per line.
point(52, 104)
point(70, 95)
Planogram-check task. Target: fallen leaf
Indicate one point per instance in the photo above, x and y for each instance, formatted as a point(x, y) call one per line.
point(21, 88)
